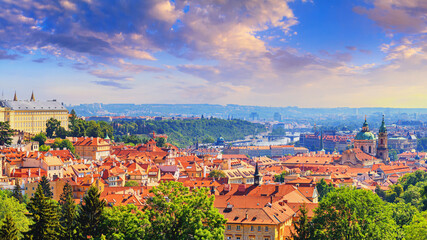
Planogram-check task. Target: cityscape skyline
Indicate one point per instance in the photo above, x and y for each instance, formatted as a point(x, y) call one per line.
point(257, 53)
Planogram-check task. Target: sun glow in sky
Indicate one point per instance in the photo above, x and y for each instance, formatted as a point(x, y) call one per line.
point(367, 53)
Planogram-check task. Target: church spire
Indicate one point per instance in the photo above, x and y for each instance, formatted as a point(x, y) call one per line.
point(32, 99)
point(383, 129)
point(257, 176)
point(15, 98)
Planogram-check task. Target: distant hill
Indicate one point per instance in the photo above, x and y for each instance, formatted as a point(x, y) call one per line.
point(233, 111)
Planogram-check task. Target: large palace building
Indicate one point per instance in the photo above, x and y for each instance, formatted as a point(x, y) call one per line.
point(31, 115)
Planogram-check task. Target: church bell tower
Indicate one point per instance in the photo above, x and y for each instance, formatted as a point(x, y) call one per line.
point(382, 149)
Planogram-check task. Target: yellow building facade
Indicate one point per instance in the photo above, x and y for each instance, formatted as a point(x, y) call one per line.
point(31, 115)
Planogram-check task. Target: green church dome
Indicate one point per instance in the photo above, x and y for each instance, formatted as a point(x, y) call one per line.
point(365, 136)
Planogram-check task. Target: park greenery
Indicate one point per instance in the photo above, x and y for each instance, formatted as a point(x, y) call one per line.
point(349, 213)
point(173, 212)
point(186, 132)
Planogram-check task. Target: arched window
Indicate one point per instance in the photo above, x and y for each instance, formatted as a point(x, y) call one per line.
point(370, 149)
point(362, 148)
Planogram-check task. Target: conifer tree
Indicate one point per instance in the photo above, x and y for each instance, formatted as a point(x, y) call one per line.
point(9, 231)
point(68, 213)
point(45, 184)
point(44, 213)
point(17, 193)
point(90, 212)
point(302, 227)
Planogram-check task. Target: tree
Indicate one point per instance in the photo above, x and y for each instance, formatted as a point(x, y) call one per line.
point(61, 132)
point(5, 134)
point(281, 177)
point(90, 211)
point(347, 213)
point(44, 213)
point(45, 185)
point(160, 142)
point(93, 129)
point(217, 174)
point(8, 230)
point(175, 212)
point(41, 138)
point(61, 144)
point(303, 228)
point(417, 229)
point(17, 192)
point(131, 184)
point(10, 206)
point(323, 188)
point(52, 126)
point(68, 213)
point(44, 148)
point(124, 222)
point(380, 192)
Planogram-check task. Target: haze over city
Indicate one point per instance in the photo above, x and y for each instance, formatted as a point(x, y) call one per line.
point(269, 53)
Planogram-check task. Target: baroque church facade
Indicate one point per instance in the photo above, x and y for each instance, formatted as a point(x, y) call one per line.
point(366, 141)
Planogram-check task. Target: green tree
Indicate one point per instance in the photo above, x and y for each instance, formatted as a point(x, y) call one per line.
point(44, 213)
point(41, 138)
point(380, 192)
point(281, 177)
point(44, 148)
point(124, 222)
point(68, 214)
point(303, 228)
point(90, 212)
point(175, 212)
point(5, 134)
point(217, 174)
point(68, 145)
point(52, 126)
point(347, 213)
point(323, 188)
point(417, 229)
point(61, 132)
point(93, 129)
point(10, 206)
point(8, 230)
point(45, 185)
point(160, 142)
point(208, 139)
point(17, 192)
point(131, 184)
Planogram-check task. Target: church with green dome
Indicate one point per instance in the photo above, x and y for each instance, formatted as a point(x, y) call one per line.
point(366, 141)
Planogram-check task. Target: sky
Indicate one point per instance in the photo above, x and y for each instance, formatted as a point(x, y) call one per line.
point(318, 53)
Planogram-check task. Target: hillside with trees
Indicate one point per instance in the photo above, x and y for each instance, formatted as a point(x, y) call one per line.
point(186, 132)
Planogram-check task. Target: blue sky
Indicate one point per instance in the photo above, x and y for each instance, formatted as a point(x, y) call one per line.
point(272, 53)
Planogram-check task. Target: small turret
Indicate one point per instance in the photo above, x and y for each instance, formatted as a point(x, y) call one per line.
point(15, 98)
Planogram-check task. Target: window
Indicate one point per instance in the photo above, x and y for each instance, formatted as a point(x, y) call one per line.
point(237, 238)
point(266, 229)
point(252, 228)
point(238, 228)
point(370, 149)
point(259, 228)
point(228, 227)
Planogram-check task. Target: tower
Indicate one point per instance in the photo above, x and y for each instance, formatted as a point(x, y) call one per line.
point(257, 176)
point(382, 149)
point(32, 99)
point(15, 98)
point(321, 140)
